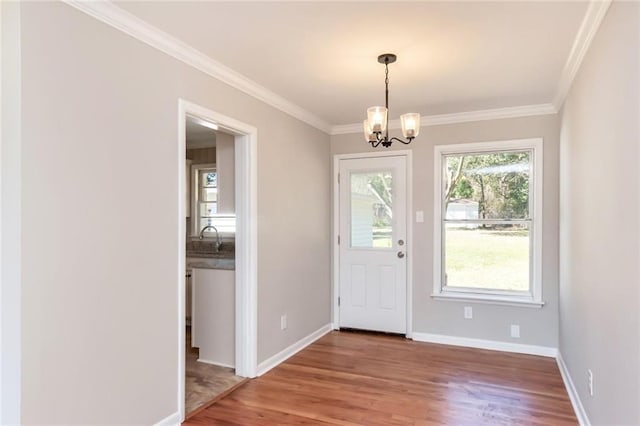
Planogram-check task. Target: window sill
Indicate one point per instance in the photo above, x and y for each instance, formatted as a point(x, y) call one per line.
point(526, 302)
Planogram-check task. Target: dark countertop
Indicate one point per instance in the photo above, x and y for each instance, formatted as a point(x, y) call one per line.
point(208, 260)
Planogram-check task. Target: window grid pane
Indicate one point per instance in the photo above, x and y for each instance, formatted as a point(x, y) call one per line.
point(489, 258)
point(491, 185)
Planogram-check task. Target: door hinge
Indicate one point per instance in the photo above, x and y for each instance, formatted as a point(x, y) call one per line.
point(338, 177)
point(338, 301)
point(338, 239)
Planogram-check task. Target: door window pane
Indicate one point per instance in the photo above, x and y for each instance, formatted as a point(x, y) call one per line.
point(371, 209)
point(487, 257)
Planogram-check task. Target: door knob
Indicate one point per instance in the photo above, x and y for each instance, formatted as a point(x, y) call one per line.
point(400, 254)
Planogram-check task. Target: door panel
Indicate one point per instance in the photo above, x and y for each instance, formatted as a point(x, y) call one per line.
point(372, 207)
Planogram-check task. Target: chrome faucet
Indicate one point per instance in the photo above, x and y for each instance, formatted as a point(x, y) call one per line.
point(218, 242)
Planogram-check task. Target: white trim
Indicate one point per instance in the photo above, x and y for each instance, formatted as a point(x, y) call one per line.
point(459, 117)
point(182, 257)
point(171, 420)
point(10, 214)
point(590, 24)
point(335, 229)
point(219, 364)
point(535, 144)
point(488, 299)
point(293, 349)
point(409, 242)
point(581, 414)
point(492, 345)
point(246, 323)
point(130, 24)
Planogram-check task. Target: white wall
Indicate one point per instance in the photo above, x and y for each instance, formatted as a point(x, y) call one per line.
point(99, 285)
point(599, 287)
point(538, 326)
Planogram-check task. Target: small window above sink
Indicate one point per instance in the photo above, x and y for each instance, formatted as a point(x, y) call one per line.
point(204, 185)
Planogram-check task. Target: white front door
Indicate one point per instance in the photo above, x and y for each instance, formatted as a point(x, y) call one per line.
point(372, 245)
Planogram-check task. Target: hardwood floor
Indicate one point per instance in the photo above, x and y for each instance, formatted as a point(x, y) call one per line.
point(350, 378)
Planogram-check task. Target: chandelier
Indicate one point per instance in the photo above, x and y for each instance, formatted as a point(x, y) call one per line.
point(376, 129)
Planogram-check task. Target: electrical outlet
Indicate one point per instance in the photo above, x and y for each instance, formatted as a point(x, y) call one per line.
point(283, 322)
point(419, 216)
point(468, 312)
point(590, 381)
point(515, 331)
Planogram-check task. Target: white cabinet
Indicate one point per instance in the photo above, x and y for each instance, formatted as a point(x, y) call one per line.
point(213, 322)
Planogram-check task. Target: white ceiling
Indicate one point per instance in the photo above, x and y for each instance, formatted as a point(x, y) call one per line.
point(198, 136)
point(452, 56)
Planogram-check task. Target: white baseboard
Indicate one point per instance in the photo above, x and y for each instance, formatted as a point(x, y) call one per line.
point(581, 414)
point(286, 353)
point(219, 364)
point(172, 420)
point(486, 344)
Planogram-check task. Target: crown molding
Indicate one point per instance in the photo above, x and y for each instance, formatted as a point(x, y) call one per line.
point(593, 17)
point(459, 117)
point(112, 15)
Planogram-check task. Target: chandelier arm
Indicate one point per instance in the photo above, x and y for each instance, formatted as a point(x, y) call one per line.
point(401, 141)
point(375, 144)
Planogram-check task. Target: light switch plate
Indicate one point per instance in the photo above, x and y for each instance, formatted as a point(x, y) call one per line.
point(419, 216)
point(468, 312)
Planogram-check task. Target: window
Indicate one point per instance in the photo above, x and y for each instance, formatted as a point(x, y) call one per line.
point(488, 216)
point(205, 203)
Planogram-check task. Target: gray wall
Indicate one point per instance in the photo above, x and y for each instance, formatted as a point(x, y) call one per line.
point(538, 326)
point(599, 290)
point(99, 319)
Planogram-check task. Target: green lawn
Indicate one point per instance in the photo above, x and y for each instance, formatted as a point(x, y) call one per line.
point(496, 259)
point(382, 237)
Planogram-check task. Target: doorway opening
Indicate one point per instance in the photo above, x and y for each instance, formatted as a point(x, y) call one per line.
point(217, 256)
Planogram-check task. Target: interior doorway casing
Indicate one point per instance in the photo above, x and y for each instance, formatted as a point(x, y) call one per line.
point(246, 288)
point(336, 230)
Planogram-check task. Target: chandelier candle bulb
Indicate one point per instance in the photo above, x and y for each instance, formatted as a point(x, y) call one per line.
point(377, 117)
point(368, 133)
point(410, 125)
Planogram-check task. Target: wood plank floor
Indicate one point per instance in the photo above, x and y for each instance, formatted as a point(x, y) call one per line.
point(348, 378)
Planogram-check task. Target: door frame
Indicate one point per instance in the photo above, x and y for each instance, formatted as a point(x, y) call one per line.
point(335, 229)
point(246, 279)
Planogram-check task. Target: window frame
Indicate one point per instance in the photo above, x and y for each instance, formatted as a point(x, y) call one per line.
point(533, 298)
point(196, 187)
point(218, 218)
